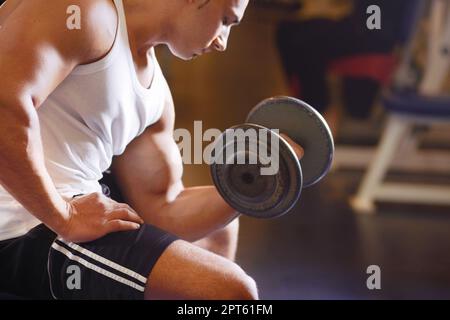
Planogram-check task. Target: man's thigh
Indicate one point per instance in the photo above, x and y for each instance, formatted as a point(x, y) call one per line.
point(147, 263)
point(186, 271)
point(144, 264)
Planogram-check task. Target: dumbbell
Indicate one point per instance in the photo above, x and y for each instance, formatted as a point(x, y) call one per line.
point(244, 184)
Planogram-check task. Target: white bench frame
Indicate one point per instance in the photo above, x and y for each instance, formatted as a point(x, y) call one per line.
point(397, 136)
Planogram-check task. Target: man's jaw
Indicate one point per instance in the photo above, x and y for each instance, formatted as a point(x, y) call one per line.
point(198, 54)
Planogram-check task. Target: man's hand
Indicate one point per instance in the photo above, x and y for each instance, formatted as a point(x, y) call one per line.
point(95, 215)
point(299, 151)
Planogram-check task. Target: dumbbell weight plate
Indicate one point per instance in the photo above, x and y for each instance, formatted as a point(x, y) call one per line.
point(243, 186)
point(304, 125)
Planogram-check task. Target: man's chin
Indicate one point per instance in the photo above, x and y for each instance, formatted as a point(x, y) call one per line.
point(187, 58)
point(194, 56)
point(180, 55)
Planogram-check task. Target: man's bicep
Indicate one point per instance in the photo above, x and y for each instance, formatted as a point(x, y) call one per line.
point(150, 170)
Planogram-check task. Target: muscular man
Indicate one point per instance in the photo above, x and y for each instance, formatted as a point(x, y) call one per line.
point(71, 100)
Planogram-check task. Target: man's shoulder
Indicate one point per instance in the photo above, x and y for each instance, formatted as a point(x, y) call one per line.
point(83, 28)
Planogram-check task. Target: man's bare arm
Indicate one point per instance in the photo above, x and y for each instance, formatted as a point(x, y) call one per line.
point(37, 52)
point(149, 174)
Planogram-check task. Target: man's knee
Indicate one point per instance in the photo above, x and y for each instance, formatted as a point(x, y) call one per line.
point(246, 290)
point(239, 287)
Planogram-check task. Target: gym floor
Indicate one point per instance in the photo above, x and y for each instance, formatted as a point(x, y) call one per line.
point(322, 249)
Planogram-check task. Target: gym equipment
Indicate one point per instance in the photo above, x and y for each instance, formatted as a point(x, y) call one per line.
point(244, 184)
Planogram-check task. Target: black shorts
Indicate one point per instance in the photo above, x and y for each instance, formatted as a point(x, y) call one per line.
point(40, 266)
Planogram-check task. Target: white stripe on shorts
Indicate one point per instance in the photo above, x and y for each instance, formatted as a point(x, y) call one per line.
point(105, 261)
point(98, 269)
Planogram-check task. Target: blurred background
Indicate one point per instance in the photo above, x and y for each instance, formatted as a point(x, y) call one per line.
point(380, 77)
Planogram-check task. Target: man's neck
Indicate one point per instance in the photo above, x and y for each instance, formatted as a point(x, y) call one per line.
point(148, 23)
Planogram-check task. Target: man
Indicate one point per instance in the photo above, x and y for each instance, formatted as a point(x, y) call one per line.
point(71, 99)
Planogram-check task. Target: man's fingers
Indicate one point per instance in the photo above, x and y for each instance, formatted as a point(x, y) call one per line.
point(125, 214)
point(299, 151)
point(121, 225)
point(113, 205)
point(124, 206)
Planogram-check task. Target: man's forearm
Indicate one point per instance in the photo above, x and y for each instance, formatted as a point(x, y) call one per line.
point(23, 173)
point(195, 213)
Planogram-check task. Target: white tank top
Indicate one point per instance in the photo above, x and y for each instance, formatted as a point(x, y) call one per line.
point(90, 117)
